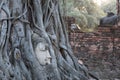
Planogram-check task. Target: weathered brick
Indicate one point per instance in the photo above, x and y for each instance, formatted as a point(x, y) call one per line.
point(103, 40)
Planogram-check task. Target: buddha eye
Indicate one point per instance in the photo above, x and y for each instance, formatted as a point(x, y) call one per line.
point(49, 57)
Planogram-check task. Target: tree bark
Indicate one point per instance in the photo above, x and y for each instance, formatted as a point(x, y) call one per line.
point(23, 25)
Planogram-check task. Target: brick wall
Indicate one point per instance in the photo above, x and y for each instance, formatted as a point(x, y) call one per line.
point(99, 50)
point(103, 44)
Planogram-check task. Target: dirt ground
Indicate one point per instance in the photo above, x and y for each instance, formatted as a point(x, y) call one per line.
point(104, 66)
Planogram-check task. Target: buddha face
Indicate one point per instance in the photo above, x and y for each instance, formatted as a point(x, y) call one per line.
point(42, 54)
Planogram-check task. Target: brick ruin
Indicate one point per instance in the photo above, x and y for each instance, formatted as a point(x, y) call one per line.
point(99, 50)
point(103, 40)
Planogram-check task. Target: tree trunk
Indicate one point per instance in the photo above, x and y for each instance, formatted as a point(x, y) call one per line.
point(34, 43)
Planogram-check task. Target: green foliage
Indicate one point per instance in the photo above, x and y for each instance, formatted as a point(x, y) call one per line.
point(86, 12)
point(110, 6)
